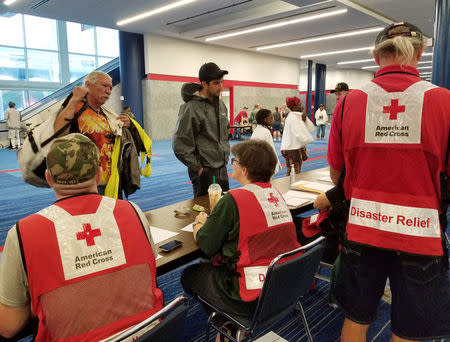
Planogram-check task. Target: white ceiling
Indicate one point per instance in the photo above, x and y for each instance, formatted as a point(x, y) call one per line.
point(204, 18)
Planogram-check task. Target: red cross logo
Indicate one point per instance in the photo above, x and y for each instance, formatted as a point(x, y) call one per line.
point(273, 199)
point(393, 109)
point(88, 234)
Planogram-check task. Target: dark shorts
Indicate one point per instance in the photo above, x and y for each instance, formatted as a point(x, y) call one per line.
point(276, 126)
point(419, 285)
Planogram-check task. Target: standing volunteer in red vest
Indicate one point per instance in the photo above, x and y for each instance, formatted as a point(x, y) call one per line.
point(85, 266)
point(246, 230)
point(392, 137)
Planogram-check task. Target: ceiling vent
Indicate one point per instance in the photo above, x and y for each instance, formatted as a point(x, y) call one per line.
point(38, 4)
point(205, 13)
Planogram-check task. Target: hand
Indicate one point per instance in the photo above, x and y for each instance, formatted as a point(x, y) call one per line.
point(199, 172)
point(304, 117)
point(202, 217)
point(126, 120)
point(79, 93)
point(322, 202)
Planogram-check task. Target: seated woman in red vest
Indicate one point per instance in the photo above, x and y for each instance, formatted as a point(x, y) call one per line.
point(248, 227)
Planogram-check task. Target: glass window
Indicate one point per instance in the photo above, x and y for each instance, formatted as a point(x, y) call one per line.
point(12, 64)
point(80, 65)
point(43, 66)
point(80, 39)
point(37, 95)
point(41, 33)
point(103, 60)
point(16, 96)
point(107, 42)
point(11, 30)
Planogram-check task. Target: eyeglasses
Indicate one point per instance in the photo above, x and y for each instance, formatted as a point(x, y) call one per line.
point(234, 160)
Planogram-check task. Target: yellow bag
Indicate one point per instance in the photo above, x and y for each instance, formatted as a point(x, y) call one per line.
point(112, 188)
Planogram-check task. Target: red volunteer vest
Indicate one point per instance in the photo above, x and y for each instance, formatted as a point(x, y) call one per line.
point(91, 269)
point(266, 230)
point(394, 151)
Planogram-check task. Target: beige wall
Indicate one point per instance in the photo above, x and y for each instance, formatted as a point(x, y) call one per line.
point(162, 99)
point(266, 97)
point(170, 56)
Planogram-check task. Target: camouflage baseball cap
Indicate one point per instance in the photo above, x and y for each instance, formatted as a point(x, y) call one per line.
point(72, 159)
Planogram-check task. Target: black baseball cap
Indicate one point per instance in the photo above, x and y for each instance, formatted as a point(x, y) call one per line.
point(398, 29)
point(341, 86)
point(210, 71)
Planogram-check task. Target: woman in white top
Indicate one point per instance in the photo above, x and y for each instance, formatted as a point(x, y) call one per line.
point(265, 120)
point(296, 135)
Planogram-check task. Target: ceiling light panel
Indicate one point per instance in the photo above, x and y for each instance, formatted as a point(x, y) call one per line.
point(321, 38)
point(154, 11)
point(8, 2)
point(357, 61)
point(278, 24)
point(337, 52)
point(370, 67)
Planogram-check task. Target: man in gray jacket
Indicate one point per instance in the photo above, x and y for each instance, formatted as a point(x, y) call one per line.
point(201, 135)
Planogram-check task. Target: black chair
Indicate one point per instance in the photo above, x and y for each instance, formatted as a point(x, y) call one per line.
point(283, 286)
point(169, 329)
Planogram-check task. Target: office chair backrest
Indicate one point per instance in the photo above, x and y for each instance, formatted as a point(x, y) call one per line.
point(287, 281)
point(169, 329)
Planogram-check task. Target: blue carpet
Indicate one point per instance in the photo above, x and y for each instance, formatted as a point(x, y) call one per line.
point(169, 184)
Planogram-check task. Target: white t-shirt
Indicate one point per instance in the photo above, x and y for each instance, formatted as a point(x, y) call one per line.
point(321, 117)
point(263, 133)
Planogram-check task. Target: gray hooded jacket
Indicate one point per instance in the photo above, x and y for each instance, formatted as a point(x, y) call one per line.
point(201, 134)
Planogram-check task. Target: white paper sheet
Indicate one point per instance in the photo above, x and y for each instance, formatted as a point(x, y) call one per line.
point(300, 194)
point(314, 186)
point(189, 228)
point(323, 173)
point(295, 198)
point(159, 257)
point(159, 234)
point(325, 179)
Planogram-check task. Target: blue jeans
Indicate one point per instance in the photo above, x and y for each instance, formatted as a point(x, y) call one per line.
point(320, 131)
